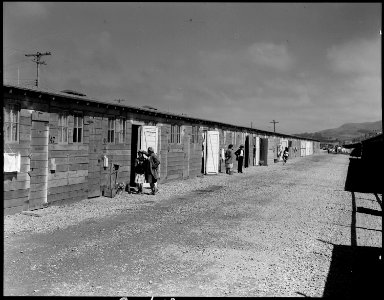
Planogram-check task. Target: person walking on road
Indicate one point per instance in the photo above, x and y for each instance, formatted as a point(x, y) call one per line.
point(152, 170)
point(229, 160)
point(240, 158)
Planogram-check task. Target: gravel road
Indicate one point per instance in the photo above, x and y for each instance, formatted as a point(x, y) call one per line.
point(271, 231)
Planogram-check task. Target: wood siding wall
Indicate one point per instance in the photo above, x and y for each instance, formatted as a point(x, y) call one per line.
point(79, 171)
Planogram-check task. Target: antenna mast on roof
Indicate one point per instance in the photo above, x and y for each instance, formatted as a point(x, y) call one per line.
point(38, 55)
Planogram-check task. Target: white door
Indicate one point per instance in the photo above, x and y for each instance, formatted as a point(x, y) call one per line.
point(149, 138)
point(257, 151)
point(212, 154)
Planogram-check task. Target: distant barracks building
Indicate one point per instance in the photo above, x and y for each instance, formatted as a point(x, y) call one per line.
point(62, 146)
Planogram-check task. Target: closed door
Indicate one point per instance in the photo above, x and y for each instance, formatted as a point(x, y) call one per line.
point(212, 153)
point(303, 148)
point(187, 154)
point(95, 161)
point(39, 165)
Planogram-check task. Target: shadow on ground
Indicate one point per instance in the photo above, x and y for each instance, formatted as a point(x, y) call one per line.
point(357, 271)
point(364, 176)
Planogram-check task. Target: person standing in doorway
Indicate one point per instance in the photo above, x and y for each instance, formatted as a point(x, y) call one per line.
point(240, 158)
point(285, 155)
point(229, 160)
point(152, 171)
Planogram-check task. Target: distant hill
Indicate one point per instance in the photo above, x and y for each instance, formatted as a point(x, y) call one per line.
point(346, 132)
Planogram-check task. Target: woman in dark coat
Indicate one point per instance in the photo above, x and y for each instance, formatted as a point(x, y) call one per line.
point(152, 169)
point(229, 159)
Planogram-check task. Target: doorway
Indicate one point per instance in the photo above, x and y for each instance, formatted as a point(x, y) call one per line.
point(246, 152)
point(134, 149)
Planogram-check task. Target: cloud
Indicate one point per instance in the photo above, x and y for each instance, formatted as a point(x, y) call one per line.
point(270, 55)
point(27, 9)
point(356, 57)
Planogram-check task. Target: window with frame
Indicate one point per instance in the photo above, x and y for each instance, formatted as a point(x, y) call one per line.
point(11, 124)
point(195, 135)
point(120, 130)
point(178, 134)
point(77, 128)
point(175, 134)
point(63, 129)
point(111, 130)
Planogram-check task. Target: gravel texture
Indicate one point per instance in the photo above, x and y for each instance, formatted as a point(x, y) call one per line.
point(271, 231)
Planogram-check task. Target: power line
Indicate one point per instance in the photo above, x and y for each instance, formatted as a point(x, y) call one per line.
point(38, 55)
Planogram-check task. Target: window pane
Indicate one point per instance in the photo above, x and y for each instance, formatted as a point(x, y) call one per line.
point(79, 135)
point(60, 136)
point(75, 135)
point(7, 131)
point(65, 135)
point(6, 115)
point(14, 132)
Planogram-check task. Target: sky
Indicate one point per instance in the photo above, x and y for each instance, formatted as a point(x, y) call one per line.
point(308, 66)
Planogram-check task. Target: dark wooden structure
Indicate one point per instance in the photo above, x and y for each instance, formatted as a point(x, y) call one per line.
point(67, 144)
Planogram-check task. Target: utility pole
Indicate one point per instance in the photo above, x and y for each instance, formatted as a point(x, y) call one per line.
point(37, 56)
point(274, 122)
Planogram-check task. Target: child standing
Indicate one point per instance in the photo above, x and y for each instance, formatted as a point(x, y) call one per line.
point(140, 164)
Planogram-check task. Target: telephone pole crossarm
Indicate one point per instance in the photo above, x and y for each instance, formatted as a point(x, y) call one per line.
point(37, 56)
point(274, 122)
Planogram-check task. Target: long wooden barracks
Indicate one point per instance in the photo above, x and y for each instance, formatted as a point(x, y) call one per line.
point(61, 146)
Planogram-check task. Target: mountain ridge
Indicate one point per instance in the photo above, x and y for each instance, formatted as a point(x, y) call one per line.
point(346, 132)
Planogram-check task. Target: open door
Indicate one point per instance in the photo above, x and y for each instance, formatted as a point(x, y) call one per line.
point(212, 152)
point(257, 150)
point(264, 151)
point(149, 136)
point(134, 148)
point(246, 152)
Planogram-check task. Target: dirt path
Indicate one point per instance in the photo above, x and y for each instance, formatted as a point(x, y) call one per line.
point(268, 232)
